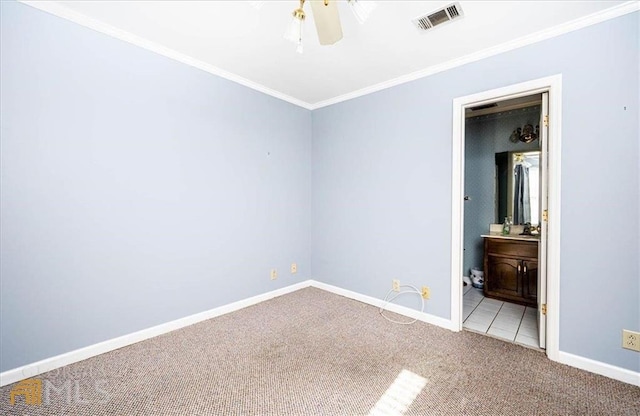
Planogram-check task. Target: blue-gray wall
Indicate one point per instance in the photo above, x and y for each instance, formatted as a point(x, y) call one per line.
point(484, 137)
point(382, 183)
point(135, 189)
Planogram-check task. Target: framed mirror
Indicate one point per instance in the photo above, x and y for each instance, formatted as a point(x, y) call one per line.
point(517, 187)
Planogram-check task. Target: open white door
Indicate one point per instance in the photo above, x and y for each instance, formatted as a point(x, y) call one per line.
point(544, 206)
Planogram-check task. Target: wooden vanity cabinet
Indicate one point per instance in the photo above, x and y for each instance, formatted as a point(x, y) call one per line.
point(530, 278)
point(511, 270)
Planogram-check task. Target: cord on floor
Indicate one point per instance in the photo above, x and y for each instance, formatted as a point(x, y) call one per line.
point(402, 292)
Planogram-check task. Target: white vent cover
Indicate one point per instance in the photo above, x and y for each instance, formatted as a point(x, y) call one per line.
point(438, 17)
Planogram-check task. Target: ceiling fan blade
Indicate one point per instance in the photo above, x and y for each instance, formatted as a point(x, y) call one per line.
point(327, 21)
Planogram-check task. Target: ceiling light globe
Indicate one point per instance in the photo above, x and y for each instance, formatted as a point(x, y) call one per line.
point(295, 28)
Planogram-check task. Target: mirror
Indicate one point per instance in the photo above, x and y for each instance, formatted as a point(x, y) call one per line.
point(517, 187)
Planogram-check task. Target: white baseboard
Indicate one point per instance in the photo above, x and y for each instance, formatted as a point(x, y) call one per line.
point(31, 370)
point(402, 310)
point(597, 367)
point(48, 364)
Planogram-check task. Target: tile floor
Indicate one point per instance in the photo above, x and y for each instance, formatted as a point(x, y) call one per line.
point(511, 322)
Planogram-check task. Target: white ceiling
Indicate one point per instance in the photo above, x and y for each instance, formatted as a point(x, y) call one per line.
point(242, 43)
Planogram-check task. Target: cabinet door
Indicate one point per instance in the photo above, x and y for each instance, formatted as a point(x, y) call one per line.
point(503, 276)
point(530, 279)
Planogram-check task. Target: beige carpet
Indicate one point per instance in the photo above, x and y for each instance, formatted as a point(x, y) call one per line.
point(312, 352)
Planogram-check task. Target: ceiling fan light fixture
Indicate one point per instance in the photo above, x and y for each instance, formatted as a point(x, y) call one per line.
point(296, 26)
point(362, 9)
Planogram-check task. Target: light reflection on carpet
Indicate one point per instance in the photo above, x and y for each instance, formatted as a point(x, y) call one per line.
point(399, 396)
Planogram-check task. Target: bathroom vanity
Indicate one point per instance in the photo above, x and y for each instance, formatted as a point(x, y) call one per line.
point(511, 268)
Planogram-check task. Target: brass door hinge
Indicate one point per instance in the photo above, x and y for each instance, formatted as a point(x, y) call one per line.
point(546, 121)
point(545, 215)
point(543, 308)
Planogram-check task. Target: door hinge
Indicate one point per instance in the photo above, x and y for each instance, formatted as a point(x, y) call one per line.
point(543, 308)
point(546, 120)
point(545, 215)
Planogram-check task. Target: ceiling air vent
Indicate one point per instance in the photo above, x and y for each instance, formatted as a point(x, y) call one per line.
point(444, 15)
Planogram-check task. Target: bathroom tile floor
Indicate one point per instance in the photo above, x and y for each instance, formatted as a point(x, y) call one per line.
point(511, 322)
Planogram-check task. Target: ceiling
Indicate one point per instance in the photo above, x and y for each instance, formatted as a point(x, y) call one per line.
point(237, 41)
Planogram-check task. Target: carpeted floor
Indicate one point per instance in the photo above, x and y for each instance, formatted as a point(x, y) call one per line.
point(315, 353)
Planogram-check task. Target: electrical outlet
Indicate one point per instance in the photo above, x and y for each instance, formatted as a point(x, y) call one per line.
point(426, 292)
point(274, 274)
point(631, 340)
point(396, 285)
point(294, 268)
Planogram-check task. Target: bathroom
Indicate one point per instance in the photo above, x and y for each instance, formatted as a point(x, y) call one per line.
point(503, 181)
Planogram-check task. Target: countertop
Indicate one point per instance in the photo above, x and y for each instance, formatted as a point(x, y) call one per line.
point(512, 236)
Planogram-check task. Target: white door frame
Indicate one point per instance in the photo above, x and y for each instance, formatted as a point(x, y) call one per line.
point(553, 85)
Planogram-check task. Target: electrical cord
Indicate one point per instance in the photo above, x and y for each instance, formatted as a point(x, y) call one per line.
point(402, 292)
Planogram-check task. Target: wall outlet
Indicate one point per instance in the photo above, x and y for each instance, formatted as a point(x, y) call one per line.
point(274, 274)
point(426, 292)
point(294, 268)
point(631, 340)
point(395, 285)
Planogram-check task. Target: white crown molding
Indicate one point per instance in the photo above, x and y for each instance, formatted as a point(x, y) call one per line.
point(59, 10)
point(592, 19)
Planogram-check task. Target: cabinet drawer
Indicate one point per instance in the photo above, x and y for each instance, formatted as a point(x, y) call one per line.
point(512, 248)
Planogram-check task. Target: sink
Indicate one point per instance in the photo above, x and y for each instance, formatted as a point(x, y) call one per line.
point(495, 231)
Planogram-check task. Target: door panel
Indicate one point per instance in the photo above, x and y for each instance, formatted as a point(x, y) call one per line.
point(503, 277)
point(541, 284)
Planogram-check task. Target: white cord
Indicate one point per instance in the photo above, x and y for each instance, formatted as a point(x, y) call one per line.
point(388, 301)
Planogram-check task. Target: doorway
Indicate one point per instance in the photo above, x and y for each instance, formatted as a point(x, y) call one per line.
point(546, 311)
point(503, 160)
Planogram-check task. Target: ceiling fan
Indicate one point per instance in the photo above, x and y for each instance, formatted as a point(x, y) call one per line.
point(327, 20)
